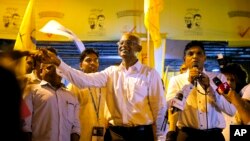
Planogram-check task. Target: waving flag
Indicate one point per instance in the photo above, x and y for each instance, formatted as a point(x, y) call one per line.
point(54, 27)
point(26, 36)
point(26, 41)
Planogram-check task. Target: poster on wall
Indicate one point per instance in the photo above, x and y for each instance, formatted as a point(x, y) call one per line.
point(108, 19)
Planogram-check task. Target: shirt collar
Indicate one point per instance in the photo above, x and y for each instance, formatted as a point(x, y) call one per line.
point(187, 72)
point(43, 83)
point(136, 67)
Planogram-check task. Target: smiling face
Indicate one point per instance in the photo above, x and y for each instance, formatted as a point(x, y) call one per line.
point(90, 63)
point(128, 46)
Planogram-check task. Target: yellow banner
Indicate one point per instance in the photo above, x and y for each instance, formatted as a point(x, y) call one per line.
point(218, 20)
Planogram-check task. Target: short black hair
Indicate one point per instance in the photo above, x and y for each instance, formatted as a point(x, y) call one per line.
point(51, 49)
point(192, 44)
point(88, 51)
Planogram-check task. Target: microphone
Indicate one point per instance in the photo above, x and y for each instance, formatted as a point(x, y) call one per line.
point(222, 86)
point(195, 65)
point(177, 103)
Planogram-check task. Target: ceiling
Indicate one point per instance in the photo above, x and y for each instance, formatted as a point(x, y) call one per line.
point(109, 56)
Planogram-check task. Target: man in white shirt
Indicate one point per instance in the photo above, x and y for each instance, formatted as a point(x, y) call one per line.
point(201, 117)
point(54, 110)
point(135, 93)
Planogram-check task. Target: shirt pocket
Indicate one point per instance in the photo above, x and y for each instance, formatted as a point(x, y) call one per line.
point(70, 111)
point(139, 92)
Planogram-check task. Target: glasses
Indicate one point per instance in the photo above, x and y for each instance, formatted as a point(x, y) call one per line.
point(126, 43)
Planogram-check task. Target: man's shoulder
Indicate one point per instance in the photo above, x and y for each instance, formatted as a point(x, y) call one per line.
point(246, 92)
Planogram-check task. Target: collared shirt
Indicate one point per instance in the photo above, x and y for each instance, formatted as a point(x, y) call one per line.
point(54, 113)
point(134, 96)
point(87, 112)
point(194, 114)
point(246, 92)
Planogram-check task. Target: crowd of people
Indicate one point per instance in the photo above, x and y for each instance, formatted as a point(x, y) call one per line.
point(125, 102)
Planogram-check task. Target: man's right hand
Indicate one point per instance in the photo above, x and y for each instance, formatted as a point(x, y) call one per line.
point(47, 57)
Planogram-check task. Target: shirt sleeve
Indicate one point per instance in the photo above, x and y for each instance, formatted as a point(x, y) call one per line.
point(220, 101)
point(81, 79)
point(27, 121)
point(158, 105)
point(246, 92)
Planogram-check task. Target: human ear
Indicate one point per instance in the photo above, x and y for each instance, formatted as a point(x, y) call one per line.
point(138, 48)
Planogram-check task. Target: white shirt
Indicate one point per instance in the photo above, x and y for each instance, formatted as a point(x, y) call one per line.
point(54, 113)
point(195, 116)
point(134, 96)
point(236, 119)
point(246, 92)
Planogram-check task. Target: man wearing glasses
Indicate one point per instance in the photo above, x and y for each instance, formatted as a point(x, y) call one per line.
point(135, 94)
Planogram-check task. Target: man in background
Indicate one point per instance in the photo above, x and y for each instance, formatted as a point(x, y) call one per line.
point(91, 100)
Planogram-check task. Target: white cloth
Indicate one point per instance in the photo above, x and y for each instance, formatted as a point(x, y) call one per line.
point(134, 96)
point(194, 113)
point(246, 92)
point(235, 119)
point(54, 113)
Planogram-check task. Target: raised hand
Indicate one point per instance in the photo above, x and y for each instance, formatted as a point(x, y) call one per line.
point(47, 57)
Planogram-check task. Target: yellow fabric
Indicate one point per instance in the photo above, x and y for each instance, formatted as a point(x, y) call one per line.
point(152, 9)
point(26, 36)
point(87, 114)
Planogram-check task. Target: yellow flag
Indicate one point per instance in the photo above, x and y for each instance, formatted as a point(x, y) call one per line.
point(152, 9)
point(26, 36)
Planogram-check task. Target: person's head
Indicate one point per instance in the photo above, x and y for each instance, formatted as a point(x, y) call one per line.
point(51, 49)
point(194, 55)
point(183, 68)
point(129, 45)
point(11, 60)
point(188, 20)
point(30, 64)
point(89, 60)
point(197, 20)
point(48, 71)
point(15, 19)
point(38, 61)
point(236, 76)
point(92, 21)
point(100, 20)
